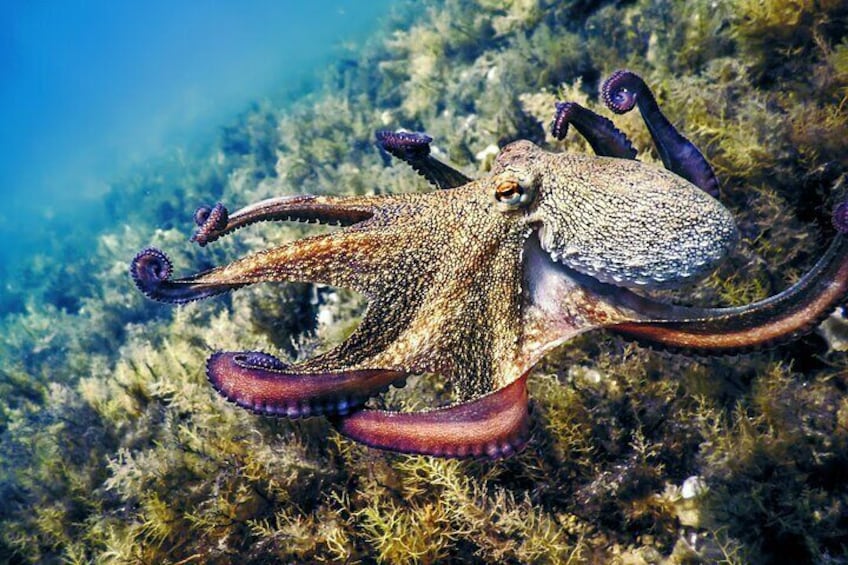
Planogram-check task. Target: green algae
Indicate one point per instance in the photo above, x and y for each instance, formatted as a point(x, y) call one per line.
point(115, 450)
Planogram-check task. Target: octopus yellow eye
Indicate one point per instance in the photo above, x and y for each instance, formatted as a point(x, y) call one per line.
point(509, 192)
point(512, 193)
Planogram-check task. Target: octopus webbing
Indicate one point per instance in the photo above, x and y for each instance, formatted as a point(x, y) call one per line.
point(479, 279)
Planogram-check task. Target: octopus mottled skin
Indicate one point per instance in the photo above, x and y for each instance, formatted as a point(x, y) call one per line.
point(478, 280)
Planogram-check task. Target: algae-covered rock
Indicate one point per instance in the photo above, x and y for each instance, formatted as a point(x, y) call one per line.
point(114, 449)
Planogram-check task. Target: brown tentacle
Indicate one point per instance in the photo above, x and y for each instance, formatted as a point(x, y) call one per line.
point(215, 222)
point(338, 259)
point(264, 384)
point(785, 316)
point(493, 426)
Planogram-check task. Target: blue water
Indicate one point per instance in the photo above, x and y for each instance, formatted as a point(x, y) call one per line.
point(90, 89)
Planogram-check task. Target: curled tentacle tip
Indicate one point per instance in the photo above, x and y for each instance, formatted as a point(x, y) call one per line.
point(564, 111)
point(405, 144)
point(210, 222)
point(840, 217)
point(620, 91)
point(150, 266)
point(202, 214)
point(150, 269)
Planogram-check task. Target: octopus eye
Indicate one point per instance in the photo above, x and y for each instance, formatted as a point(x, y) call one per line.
point(508, 192)
point(512, 193)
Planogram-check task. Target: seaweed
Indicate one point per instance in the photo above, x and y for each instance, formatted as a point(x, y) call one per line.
point(114, 449)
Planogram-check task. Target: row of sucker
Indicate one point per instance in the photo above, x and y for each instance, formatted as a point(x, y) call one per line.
point(414, 149)
point(496, 449)
point(404, 144)
point(304, 408)
point(602, 135)
point(214, 222)
point(840, 217)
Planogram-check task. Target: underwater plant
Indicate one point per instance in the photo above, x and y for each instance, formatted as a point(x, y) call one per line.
point(116, 450)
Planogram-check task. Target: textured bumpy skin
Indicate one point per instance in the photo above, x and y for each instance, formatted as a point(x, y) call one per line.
point(478, 281)
point(622, 221)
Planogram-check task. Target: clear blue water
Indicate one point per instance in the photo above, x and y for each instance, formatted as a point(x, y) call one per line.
point(90, 89)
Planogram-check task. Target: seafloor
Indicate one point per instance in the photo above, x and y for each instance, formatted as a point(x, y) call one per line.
point(115, 450)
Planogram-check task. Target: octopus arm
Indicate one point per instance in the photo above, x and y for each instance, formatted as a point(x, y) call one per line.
point(339, 259)
point(621, 92)
point(215, 222)
point(495, 425)
point(413, 148)
point(785, 316)
point(262, 383)
point(604, 138)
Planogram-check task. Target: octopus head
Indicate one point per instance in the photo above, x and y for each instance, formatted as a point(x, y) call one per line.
point(619, 221)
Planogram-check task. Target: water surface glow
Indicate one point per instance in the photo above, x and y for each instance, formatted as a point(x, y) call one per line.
point(90, 89)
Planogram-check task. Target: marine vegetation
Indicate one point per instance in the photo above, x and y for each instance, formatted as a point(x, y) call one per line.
point(114, 448)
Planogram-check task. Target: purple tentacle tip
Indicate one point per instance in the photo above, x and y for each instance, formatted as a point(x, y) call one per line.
point(840, 217)
point(405, 144)
point(210, 222)
point(201, 215)
point(620, 90)
point(559, 127)
point(150, 271)
point(150, 266)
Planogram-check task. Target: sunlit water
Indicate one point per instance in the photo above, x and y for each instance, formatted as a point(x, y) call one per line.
point(89, 90)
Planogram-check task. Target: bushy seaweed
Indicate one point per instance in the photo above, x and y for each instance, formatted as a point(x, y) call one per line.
point(115, 450)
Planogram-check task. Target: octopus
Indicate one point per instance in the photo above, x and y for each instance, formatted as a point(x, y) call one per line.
point(477, 280)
